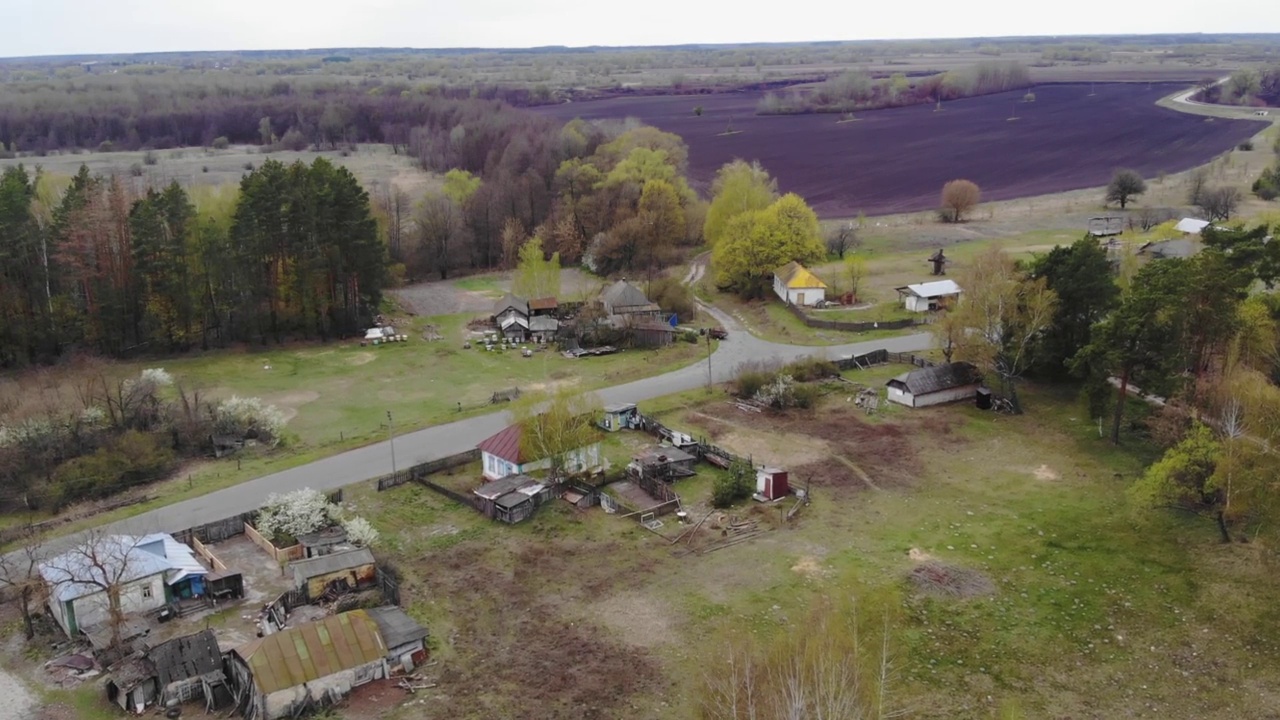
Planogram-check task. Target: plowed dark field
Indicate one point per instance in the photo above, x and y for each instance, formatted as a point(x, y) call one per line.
point(896, 160)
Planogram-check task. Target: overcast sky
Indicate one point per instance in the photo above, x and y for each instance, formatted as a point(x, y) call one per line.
point(57, 27)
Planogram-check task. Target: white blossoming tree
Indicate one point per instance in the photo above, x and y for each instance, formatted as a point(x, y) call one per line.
point(360, 532)
point(293, 514)
point(296, 513)
point(246, 417)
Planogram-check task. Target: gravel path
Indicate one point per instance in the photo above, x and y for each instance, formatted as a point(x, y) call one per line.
point(16, 701)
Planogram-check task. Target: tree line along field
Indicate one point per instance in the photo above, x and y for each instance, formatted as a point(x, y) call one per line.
point(886, 161)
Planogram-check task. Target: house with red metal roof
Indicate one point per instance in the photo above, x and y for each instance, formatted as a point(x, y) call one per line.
point(506, 454)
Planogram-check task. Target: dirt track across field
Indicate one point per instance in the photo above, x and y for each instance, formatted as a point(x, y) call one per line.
point(889, 161)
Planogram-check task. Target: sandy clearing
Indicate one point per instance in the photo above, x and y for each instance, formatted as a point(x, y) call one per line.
point(1044, 472)
point(639, 619)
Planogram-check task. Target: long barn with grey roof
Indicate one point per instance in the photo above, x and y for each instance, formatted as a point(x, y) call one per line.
point(935, 385)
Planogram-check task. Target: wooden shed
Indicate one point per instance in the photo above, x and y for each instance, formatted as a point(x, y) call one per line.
point(405, 637)
point(324, 541)
point(300, 668)
point(662, 461)
point(771, 483)
point(620, 416)
point(512, 498)
point(356, 568)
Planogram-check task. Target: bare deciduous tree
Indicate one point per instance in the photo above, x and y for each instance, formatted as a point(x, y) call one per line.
point(823, 668)
point(20, 575)
point(1125, 184)
point(843, 239)
point(1219, 203)
point(958, 198)
point(440, 230)
point(102, 564)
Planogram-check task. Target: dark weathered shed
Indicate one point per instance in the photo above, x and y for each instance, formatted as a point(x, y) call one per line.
point(397, 628)
point(511, 302)
point(356, 567)
point(186, 657)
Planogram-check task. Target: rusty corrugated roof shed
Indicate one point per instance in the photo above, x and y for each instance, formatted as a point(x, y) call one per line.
point(309, 652)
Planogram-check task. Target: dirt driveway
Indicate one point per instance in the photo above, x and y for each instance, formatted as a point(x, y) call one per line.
point(16, 701)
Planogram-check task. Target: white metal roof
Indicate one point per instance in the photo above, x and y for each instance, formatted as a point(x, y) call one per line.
point(1191, 225)
point(119, 558)
point(937, 288)
point(182, 559)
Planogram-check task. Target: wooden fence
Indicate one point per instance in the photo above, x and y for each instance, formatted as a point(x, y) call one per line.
point(863, 361)
point(281, 555)
point(217, 531)
point(657, 488)
point(388, 584)
point(417, 472)
point(468, 500)
point(850, 326)
point(911, 359)
point(209, 557)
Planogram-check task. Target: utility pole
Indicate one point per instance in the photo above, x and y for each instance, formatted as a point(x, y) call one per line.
point(391, 436)
point(708, 361)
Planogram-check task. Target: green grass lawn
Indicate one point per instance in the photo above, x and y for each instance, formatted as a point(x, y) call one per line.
point(769, 319)
point(340, 391)
point(880, 312)
point(480, 283)
point(337, 395)
point(1098, 610)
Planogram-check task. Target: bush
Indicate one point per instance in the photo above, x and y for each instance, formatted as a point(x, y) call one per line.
point(134, 458)
point(136, 170)
point(810, 369)
point(736, 484)
point(220, 143)
point(248, 418)
point(674, 297)
point(1246, 146)
point(294, 140)
point(753, 376)
point(150, 158)
point(690, 337)
point(1267, 186)
point(248, 166)
point(204, 168)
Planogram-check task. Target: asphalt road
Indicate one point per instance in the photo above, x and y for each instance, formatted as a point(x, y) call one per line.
point(441, 440)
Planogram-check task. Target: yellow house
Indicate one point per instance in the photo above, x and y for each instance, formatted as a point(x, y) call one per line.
point(796, 285)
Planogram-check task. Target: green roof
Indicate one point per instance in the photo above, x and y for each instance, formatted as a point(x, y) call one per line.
point(309, 652)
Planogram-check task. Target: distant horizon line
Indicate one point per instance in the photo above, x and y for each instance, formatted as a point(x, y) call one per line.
point(468, 49)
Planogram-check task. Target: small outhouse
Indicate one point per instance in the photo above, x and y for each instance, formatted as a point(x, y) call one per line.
point(771, 483)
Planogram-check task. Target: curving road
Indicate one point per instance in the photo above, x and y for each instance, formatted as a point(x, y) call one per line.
point(441, 440)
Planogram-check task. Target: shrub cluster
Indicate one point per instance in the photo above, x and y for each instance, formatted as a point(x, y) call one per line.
point(123, 433)
point(783, 386)
point(737, 484)
point(1267, 186)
